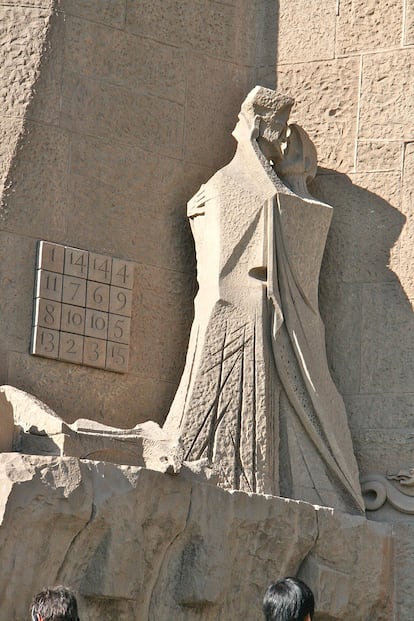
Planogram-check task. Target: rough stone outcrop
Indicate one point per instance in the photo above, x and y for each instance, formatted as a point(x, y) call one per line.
point(150, 546)
point(29, 426)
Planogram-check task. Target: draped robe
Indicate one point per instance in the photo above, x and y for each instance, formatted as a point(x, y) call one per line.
point(256, 399)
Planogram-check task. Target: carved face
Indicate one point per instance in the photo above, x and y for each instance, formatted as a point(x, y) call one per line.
point(272, 136)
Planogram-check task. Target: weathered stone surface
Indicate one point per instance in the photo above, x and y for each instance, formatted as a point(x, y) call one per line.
point(409, 22)
point(16, 284)
point(37, 430)
point(10, 130)
point(264, 14)
point(379, 156)
point(387, 354)
point(341, 305)
point(110, 12)
point(119, 58)
point(22, 34)
point(188, 550)
point(228, 85)
point(365, 226)
point(331, 567)
point(43, 4)
point(406, 241)
point(382, 116)
point(304, 39)
point(404, 568)
point(46, 101)
point(326, 95)
point(137, 173)
point(122, 403)
point(207, 27)
point(126, 231)
point(384, 450)
point(162, 301)
point(112, 112)
point(382, 411)
point(368, 26)
point(34, 202)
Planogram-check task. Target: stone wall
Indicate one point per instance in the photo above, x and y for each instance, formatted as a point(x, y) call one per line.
point(112, 114)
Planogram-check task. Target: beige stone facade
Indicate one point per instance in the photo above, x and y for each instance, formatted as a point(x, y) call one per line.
point(112, 114)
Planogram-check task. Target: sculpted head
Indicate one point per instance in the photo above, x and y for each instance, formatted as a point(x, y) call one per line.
point(267, 113)
point(299, 157)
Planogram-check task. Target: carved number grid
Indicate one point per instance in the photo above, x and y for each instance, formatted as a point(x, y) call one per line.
point(82, 307)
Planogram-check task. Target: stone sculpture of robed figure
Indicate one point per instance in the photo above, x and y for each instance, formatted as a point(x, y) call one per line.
point(256, 400)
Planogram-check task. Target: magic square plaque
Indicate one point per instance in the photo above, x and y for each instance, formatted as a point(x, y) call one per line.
point(82, 307)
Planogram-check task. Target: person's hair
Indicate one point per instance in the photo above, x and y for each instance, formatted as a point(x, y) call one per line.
point(54, 604)
point(288, 599)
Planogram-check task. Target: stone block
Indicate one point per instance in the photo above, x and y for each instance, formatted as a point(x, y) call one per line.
point(211, 114)
point(365, 226)
point(341, 305)
point(383, 116)
point(22, 34)
point(120, 58)
point(34, 202)
point(212, 28)
point(379, 156)
point(110, 12)
point(122, 115)
point(387, 352)
point(326, 95)
point(369, 25)
point(74, 391)
point(306, 31)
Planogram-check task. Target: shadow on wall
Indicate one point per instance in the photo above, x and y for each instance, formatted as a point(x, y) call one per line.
point(368, 317)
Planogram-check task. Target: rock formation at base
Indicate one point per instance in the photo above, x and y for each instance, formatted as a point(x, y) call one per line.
point(144, 546)
point(29, 426)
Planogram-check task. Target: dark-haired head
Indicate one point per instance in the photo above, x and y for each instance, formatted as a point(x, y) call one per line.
point(54, 604)
point(288, 599)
